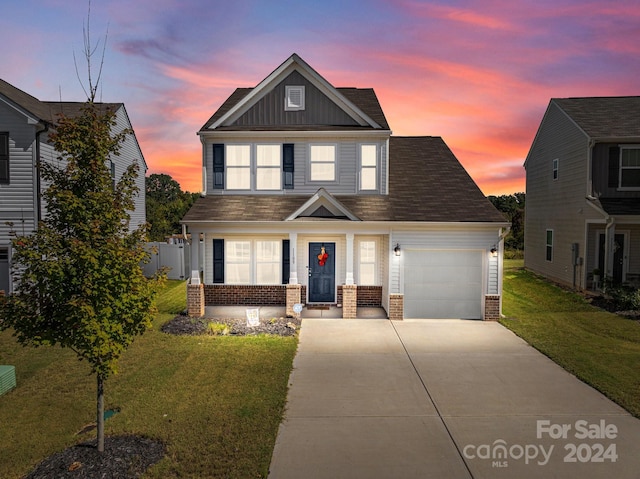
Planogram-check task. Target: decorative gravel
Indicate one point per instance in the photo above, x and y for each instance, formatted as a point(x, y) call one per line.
point(124, 457)
point(182, 324)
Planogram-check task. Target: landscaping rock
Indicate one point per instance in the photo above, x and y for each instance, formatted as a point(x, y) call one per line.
point(281, 326)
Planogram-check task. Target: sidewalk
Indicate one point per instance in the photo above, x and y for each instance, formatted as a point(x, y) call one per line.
point(443, 399)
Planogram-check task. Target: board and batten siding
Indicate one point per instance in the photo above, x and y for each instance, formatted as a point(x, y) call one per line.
point(347, 158)
point(556, 204)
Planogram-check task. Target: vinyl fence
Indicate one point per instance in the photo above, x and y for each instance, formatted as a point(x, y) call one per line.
point(175, 257)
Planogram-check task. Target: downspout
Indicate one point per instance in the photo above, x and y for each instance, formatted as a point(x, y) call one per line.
point(610, 223)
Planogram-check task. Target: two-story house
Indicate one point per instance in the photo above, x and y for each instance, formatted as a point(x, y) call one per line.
point(583, 192)
point(309, 199)
point(25, 124)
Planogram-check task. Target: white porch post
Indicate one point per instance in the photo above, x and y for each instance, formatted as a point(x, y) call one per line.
point(349, 260)
point(609, 241)
point(293, 268)
point(195, 258)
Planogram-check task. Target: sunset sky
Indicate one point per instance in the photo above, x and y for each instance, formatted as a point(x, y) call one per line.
point(479, 73)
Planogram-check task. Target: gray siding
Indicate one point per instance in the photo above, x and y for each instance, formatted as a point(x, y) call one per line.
point(559, 204)
point(600, 168)
point(319, 110)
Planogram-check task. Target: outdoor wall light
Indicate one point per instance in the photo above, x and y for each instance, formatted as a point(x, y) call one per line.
point(494, 252)
point(396, 250)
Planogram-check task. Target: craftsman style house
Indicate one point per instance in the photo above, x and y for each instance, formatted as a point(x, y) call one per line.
point(25, 123)
point(309, 199)
point(583, 192)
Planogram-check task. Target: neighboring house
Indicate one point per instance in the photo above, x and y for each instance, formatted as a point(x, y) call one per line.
point(583, 192)
point(25, 124)
point(309, 199)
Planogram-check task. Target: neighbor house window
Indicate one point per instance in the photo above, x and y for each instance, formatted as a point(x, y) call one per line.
point(555, 168)
point(322, 159)
point(4, 157)
point(268, 167)
point(294, 98)
point(268, 262)
point(368, 167)
point(549, 245)
point(630, 167)
point(367, 252)
point(238, 262)
point(238, 159)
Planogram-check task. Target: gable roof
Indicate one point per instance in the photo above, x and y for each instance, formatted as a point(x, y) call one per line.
point(361, 105)
point(604, 117)
point(426, 184)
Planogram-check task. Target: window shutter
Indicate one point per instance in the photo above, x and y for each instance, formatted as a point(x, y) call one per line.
point(614, 166)
point(287, 166)
point(218, 261)
point(4, 157)
point(286, 263)
point(218, 166)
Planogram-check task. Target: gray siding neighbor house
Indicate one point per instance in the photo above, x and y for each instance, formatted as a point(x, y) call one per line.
point(25, 124)
point(309, 199)
point(583, 192)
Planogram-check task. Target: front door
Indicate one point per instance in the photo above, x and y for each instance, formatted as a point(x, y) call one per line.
point(322, 272)
point(618, 256)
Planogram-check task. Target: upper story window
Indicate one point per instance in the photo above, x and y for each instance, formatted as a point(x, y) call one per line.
point(630, 166)
point(322, 162)
point(555, 168)
point(268, 163)
point(238, 163)
point(4, 157)
point(294, 98)
point(235, 166)
point(368, 167)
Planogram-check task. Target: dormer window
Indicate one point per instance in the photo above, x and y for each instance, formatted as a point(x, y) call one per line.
point(294, 98)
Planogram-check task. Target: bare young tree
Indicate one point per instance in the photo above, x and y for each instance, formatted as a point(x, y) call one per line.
point(89, 51)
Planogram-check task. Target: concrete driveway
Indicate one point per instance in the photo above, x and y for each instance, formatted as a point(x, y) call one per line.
point(443, 399)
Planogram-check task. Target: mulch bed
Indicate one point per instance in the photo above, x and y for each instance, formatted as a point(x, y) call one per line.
point(124, 457)
point(610, 305)
point(185, 325)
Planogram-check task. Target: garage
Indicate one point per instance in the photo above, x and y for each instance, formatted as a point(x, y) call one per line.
point(443, 284)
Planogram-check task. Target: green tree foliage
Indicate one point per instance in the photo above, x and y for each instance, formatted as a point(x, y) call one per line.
point(513, 208)
point(166, 205)
point(80, 284)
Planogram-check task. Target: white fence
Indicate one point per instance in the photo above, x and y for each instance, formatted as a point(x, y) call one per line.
point(175, 257)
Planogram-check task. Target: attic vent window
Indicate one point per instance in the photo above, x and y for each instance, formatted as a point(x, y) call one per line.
point(294, 98)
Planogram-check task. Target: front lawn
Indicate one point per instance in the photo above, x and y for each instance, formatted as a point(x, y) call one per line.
point(600, 348)
point(215, 402)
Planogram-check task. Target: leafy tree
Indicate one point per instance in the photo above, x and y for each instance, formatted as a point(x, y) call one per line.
point(80, 284)
point(513, 208)
point(166, 205)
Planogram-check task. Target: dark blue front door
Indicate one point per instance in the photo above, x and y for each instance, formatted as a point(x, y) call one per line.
point(322, 272)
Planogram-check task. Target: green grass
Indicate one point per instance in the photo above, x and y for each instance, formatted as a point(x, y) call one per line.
point(600, 348)
point(216, 402)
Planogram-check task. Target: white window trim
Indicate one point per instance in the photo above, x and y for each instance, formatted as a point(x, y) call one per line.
point(547, 245)
point(376, 261)
point(256, 167)
point(253, 166)
point(620, 168)
point(376, 168)
point(335, 163)
point(227, 167)
point(294, 106)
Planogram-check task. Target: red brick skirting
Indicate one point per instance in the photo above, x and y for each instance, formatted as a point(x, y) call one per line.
point(492, 307)
point(368, 296)
point(254, 295)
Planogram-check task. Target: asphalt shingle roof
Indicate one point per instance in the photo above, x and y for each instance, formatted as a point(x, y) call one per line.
point(426, 184)
point(604, 117)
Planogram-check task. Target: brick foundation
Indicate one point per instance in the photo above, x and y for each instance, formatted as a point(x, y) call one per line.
point(396, 307)
point(253, 295)
point(491, 307)
point(195, 300)
point(368, 296)
point(293, 296)
point(349, 301)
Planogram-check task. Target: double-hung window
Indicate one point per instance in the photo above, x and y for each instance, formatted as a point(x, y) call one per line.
point(368, 167)
point(238, 163)
point(268, 262)
point(630, 166)
point(322, 162)
point(367, 263)
point(549, 245)
point(238, 262)
point(252, 261)
point(4, 157)
point(268, 167)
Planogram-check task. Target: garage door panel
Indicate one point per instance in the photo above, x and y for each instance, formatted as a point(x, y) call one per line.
point(443, 284)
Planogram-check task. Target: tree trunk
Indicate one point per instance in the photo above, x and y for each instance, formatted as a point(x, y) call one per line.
point(100, 419)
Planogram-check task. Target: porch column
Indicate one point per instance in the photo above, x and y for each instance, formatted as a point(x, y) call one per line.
point(293, 268)
point(609, 243)
point(195, 257)
point(349, 260)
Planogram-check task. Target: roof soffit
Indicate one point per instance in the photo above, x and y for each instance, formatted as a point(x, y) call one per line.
point(294, 63)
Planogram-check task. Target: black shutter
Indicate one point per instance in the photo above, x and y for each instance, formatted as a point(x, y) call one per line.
point(4, 157)
point(218, 166)
point(614, 166)
point(286, 268)
point(218, 261)
point(287, 166)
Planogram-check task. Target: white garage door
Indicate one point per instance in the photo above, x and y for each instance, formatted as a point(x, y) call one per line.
point(442, 284)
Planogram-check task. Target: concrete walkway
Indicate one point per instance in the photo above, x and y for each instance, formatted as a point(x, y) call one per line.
point(443, 399)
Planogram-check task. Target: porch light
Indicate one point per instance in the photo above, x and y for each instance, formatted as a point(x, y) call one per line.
point(396, 250)
point(494, 251)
